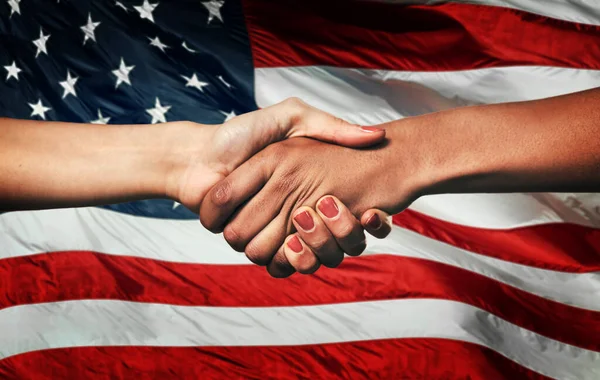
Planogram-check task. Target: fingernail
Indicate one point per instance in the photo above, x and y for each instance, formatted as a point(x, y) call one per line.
point(374, 222)
point(371, 129)
point(328, 207)
point(294, 244)
point(305, 221)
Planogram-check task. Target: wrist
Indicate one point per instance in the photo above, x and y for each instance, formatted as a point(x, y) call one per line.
point(400, 167)
point(434, 153)
point(182, 158)
point(451, 152)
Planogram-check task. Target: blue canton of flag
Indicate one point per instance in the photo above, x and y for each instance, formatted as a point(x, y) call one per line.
point(126, 62)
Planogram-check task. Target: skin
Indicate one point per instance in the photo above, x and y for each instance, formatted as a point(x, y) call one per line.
point(335, 232)
point(56, 164)
point(545, 145)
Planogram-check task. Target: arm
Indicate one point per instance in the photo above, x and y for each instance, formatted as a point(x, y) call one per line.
point(545, 145)
point(56, 164)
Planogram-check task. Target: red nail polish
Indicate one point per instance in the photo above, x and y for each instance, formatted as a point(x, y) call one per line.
point(305, 221)
point(328, 207)
point(371, 129)
point(294, 244)
point(374, 222)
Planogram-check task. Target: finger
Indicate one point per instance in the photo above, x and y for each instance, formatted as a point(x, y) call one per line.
point(337, 131)
point(251, 218)
point(342, 224)
point(261, 249)
point(342, 133)
point(376, 222)
point(279, 267)
point(223, 199)
point(299, 255)
point(317, 237)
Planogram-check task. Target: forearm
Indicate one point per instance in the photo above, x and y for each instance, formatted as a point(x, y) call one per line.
point(546, 145)
point(52, 164)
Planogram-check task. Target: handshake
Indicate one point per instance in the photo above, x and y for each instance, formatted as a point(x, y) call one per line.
point(291, 186)
point(294, 187)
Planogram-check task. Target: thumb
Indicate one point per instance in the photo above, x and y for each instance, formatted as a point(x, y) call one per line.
point(376, 222)
point(341, 133)
point(323, 126)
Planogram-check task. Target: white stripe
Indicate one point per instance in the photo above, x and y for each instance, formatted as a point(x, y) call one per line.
point(580, 290)
point(118, 323)
point(365, 96)
point(582, 11)
point(93, 229)
point(503, 211)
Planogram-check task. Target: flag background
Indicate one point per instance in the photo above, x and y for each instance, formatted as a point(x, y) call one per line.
point(467, 286)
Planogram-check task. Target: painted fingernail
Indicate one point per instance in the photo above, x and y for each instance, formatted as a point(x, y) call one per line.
point(371, 129)
point(328, 207)
point(294, 244)
point(305, 221)
point(374, 222)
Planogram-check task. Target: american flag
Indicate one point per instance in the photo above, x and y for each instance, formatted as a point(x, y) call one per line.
point(492, 286)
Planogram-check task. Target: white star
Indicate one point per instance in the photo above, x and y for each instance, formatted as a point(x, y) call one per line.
point(13, 71)
point(158, 112)
point(122, 73)
point(39, 109)
point(146, 10)
point(214, 9)
point(156, 42)
point(101, 119)
point(176, 204)
point(120, 4)
point(69, 85)
point(223, 80)
point(14, 6)
point(228, 116)
point(40, 43)
point(184, 44)
point(194, 82)
point(88, 29)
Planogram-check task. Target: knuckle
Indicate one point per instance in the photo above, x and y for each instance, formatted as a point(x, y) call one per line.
point(307, 268)
point(387, 231)
point(279, 273)
point(257, 254)
point(280, 267)
point(334, 260)
point(286, 183)
point(344, 230)
point(319, 244)
point(221, 193)
point(294, 102)
point(294, 109)
point(210, 225)
point(339, 121)
point(330, 255)
point(337, 124)
point(232, 236)
point(357, 249)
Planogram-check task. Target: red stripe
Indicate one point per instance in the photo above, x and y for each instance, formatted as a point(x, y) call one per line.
point(559, 246)
point(64, 276)
point(385, 359)
point(440, 37)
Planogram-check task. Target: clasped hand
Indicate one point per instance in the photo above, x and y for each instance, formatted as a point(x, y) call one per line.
point(277, 208)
